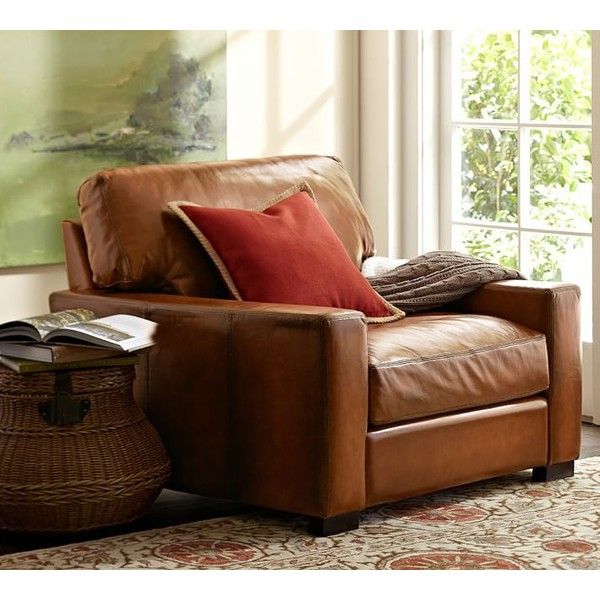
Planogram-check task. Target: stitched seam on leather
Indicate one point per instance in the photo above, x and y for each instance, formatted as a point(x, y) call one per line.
point(555, 291)
point(334, 318)
point(302, 317)
point(232, 462)
point(457, 406)
point(124, 256)
point(308, 318)
point(326, 446)
point(564, 289)
point(412, 361)
point(551, 357)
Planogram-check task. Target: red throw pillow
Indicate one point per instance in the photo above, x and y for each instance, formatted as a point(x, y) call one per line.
point(283, 251)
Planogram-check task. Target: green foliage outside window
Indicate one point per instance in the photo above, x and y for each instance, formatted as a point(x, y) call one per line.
point(559, 159)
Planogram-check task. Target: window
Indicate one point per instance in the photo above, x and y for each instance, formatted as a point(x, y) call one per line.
point(520, 167)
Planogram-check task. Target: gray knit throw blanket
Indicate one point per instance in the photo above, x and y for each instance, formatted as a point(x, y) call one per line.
point(436, 278)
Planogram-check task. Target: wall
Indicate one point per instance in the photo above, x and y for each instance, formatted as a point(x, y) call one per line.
point(24, 292)
point(287, 92)
point(293, 92)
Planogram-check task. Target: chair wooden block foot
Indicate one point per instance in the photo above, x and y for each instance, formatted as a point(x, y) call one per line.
point(553, 472)
point(320, 527)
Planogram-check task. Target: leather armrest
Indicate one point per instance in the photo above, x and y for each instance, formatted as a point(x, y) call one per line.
point(262, 403)
point(79, 273)
point(553, 309)
point(104, 302)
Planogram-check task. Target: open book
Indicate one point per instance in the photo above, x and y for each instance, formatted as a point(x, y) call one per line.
point(80, 326)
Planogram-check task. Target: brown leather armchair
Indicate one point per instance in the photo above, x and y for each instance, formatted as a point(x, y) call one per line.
point(307, 409)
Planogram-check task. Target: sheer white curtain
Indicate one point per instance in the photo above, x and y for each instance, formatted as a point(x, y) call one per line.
point(399, 141)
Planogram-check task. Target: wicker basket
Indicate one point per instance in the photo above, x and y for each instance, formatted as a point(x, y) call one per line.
point(106, 469)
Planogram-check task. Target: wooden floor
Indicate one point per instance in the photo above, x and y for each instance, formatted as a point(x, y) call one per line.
point(173, 508)
point(590, 441)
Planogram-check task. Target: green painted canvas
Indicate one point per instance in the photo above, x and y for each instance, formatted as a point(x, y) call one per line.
point(73, 102)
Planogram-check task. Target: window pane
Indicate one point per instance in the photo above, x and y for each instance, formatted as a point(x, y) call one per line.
point(489, 74)
point(561, 75)
point(489, 177)
point(561, 178)
point(563, 258)
point(489, 244)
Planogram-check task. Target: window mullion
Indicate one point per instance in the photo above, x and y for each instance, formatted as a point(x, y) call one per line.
point(456, 132)
point(523, 199)
point(523, 152)
point(508, 124)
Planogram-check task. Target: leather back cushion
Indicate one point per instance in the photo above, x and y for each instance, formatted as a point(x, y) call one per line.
point(136, 243)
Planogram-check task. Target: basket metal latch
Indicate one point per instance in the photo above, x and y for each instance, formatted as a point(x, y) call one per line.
point(63, 409)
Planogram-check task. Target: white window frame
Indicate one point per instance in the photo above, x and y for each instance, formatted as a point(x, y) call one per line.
point(522, 124)
point(450, 185)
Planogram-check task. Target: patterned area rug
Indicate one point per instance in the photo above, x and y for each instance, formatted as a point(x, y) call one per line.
point(504, 523)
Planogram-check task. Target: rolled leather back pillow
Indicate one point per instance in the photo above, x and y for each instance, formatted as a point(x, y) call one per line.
point(135, 242)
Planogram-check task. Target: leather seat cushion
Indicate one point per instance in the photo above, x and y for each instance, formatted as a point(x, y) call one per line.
point(437, 363)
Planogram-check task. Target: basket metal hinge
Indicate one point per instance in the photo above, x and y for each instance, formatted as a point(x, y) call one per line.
point(63, 409)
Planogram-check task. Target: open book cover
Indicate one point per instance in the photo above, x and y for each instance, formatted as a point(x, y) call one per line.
point(81, 326)
point(22, 365)
point(55, 353)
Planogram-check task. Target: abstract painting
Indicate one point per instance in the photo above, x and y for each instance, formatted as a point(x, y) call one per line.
point(73, 102)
